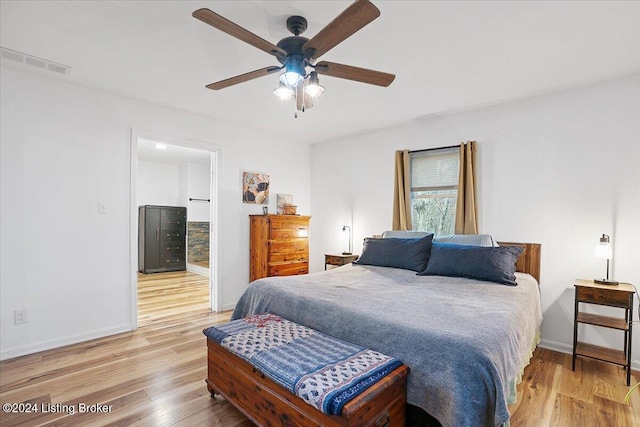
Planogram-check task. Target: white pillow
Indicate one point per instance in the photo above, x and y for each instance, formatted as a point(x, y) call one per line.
point(456, 239)
point(404, 234)
point(467, 239)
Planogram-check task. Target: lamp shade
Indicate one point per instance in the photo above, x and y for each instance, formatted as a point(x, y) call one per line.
point(350, 251)
point(283, 92)
point(603, 249)
point(290, 78)
point(313, 89)
point(294, 71)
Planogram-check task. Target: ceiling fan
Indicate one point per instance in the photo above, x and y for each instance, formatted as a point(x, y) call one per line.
point(297, 53)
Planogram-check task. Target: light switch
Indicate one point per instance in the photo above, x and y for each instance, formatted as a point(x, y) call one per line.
point(102, 208)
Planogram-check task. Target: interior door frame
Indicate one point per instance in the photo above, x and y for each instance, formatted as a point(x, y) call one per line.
point(214, 271)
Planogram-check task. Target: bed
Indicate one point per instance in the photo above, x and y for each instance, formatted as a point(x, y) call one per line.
point(465, 341)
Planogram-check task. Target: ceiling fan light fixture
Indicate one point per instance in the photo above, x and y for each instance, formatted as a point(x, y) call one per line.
point(294, 71)
point(283, 92)
point(314, 89)
point(290, 78)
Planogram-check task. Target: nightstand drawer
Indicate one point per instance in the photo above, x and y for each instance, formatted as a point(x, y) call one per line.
point(339, 259)
point(612, 297)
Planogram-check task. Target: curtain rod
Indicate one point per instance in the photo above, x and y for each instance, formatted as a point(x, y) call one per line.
point(199, 200)
point(433, 149)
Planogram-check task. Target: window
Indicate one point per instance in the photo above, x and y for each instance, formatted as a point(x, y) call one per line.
point(434, 190)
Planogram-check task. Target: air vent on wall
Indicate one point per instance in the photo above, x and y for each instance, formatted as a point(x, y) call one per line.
point(34, 61)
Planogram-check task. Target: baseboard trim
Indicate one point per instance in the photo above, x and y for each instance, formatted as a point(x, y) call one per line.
point(568, 349)
point(197, 269)
point(61, 342)
point(228, 307)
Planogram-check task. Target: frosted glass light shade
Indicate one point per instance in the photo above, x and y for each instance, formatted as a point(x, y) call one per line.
point(290, 78)
point(603, 251)
point(283, 92)
point(313, 89)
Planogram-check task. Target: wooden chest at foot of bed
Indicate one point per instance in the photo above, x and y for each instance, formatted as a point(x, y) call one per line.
point(267, 403)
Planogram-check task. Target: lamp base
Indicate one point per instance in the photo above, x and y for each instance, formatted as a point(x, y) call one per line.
point(347, 253)
point(606, 282)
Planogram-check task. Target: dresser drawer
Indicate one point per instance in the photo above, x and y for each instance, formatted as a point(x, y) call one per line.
point(174, 225)
point(171, 238)
point(611, 297)
point(288, 228)
point(174, 251)
point(286, 257)
point(288, 250)
point(290, 233)
point(173, 218)
point(288, 269)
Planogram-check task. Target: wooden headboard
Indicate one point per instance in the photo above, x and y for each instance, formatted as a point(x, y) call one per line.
point(529, 259)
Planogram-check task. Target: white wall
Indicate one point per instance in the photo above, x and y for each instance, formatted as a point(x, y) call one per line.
point(173, 185)
point(66, 148)
point(198, 188)
point(559, 169)
point(159, 184)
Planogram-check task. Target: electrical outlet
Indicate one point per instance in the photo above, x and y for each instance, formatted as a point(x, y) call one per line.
point(20, 316)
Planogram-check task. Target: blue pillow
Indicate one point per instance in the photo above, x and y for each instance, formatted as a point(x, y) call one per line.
point(408, 254)
point(493, 264)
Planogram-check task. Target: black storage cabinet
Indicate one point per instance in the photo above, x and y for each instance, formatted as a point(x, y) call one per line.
point(162, 232)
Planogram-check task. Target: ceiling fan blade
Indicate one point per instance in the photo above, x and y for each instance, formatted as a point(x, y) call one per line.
point(308, 99)
point(243, 78)
point(349, 72)
point(300, 96)
point(352, 19)
point(233, 29)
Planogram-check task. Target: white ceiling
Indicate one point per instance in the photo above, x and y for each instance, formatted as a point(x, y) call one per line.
point(447, 55)
point(173, 154)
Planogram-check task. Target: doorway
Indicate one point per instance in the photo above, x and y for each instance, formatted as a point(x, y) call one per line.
point(175, 175)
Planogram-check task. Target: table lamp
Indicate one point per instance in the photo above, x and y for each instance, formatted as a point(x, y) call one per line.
point(350, 251)
point(603, 251)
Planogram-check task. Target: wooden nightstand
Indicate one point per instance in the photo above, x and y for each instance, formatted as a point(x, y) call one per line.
point(620, 296)
point(338, 259)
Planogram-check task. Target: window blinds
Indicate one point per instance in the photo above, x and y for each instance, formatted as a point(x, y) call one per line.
point(435, 170)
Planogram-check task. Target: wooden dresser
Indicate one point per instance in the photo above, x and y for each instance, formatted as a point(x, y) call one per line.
point(279, 245)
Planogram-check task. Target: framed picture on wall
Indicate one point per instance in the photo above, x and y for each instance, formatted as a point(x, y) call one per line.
point(282, 201)
point(255, 188)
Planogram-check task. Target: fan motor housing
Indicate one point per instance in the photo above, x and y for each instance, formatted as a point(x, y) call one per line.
point(293, 46)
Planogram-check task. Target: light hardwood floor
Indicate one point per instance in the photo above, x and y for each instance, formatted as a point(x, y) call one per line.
point(163, 295)
point(155, 375)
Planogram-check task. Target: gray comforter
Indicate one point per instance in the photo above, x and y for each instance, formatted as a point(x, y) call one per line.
point(463, 340)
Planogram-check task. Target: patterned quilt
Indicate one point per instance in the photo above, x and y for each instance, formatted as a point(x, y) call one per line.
point(322, 370)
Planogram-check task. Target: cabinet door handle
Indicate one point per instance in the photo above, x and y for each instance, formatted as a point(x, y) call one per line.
point(157, 233)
